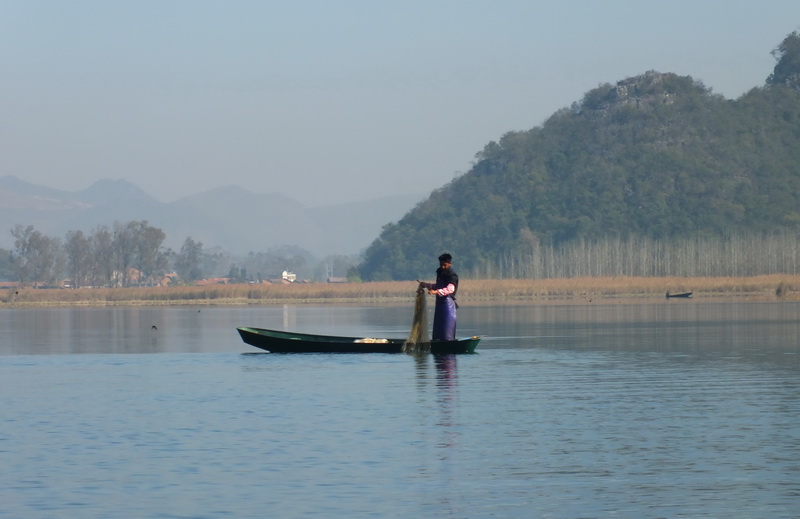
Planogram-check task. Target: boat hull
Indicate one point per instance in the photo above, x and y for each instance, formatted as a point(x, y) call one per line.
point(291, 342)
point(685, 295)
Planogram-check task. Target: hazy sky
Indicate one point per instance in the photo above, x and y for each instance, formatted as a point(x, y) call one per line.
point(332, 100)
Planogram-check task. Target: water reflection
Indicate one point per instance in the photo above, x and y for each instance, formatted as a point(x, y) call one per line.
point(445, 386)
point(445, 374)
point(686, 327)
point(438, 395)
point(25, 331)
point(767, 332)
point(447, 398)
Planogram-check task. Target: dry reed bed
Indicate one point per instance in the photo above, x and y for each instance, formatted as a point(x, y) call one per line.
point(772, 287)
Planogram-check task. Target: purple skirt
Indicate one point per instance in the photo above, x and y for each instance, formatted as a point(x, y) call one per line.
point(444, 319)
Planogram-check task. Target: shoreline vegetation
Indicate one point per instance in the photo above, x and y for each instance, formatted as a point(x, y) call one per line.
point(580, 290)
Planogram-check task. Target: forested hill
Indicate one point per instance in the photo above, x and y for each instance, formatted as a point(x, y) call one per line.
point(658, 155)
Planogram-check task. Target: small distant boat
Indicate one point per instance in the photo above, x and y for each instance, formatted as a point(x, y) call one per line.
point(292, 342)
point(682, 294)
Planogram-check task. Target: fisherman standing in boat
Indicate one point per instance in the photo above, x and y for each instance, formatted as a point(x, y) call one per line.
point(445, 288)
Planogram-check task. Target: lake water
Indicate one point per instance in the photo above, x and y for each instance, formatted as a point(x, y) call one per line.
point(655, 410)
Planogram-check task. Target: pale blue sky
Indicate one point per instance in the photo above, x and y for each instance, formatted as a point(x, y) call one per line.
point(330, 101)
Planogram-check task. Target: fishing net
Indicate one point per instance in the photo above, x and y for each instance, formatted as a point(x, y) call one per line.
point(417, 341)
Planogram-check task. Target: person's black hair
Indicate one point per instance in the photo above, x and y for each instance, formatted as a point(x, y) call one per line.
point(447, 258)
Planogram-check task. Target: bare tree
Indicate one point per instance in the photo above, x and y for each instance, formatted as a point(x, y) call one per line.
point(151, 259)
point(37, 258)
point(125, 250)
point(103, 256)
point(79, 258)
point(188, 262)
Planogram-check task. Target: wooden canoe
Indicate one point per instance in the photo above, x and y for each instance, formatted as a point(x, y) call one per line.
point(292, 342)
point(683, 294)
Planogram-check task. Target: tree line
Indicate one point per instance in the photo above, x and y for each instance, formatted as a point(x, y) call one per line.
point(133, 254)
point(123, 255)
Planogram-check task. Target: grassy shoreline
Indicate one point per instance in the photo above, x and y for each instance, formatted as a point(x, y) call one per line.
point(776, 287)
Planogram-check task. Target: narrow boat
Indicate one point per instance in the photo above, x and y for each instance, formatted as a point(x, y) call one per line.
point(292, 342)
point(683, 294)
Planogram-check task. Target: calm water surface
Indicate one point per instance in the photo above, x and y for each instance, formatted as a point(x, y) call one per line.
point(668, 409)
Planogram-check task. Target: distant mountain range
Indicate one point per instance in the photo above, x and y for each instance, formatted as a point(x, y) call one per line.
point(232, 218)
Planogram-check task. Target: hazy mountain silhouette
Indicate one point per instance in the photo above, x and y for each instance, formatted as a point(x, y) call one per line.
point(232, 218)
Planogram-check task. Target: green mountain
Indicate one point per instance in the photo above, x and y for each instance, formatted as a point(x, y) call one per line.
point(657, 156)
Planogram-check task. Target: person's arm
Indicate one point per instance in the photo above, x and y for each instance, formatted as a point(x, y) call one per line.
point(446, 291)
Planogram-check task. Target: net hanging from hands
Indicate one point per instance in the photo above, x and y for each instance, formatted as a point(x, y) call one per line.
point(418, 341)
